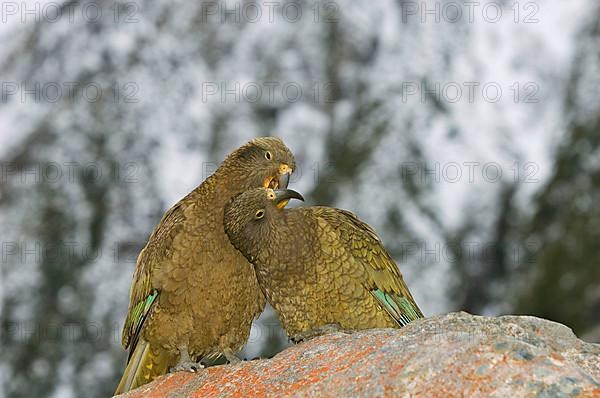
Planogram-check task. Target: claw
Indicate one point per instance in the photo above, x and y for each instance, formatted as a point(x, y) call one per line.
point(185, 363)
point(231, 357)
point(191, 367)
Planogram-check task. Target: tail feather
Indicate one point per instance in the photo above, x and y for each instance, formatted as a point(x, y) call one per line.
point(145, 364)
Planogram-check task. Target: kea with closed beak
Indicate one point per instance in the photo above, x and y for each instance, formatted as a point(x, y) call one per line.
point(320, 268)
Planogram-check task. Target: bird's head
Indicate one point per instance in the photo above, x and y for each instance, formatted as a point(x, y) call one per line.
point(262, 162)
point(249, 215)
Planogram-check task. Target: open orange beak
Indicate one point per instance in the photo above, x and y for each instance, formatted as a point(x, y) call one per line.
point(282, 179)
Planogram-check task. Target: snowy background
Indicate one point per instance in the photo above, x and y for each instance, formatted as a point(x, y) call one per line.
point(467, 135)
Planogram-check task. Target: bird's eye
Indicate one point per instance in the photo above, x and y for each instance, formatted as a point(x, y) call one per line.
point(268, 155)
point(259, 214)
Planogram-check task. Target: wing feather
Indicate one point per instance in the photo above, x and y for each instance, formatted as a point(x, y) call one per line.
point(143, 295)
point(383, 278)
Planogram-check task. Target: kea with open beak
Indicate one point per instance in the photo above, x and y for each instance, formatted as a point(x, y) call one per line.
point(193, 295)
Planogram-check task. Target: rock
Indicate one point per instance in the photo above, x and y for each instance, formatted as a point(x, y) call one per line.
point(451, 355)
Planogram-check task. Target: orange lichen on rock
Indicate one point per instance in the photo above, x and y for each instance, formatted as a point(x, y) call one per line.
point(446, 356)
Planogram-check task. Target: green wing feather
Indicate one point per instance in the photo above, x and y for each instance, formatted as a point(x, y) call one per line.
point(136, 319)
point(384, 279)
point(143, 295)
point(400, 308)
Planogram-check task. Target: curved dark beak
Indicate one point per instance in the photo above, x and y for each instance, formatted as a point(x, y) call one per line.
point(283, 196)
point(283, 180)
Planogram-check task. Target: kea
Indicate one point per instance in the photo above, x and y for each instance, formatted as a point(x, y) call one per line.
point(321, 268)
point(193, 295)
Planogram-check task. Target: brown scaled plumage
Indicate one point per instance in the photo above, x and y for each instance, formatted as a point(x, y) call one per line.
point(193, 294)
point(320, 268)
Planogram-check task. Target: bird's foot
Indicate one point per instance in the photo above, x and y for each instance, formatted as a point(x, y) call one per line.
point(186, 363)
point(231, 357)
point(318, 331)
point(188, 366)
